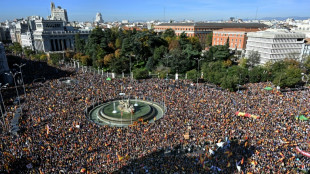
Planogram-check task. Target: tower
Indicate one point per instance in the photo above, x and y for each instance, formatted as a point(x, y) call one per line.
point(98, 18)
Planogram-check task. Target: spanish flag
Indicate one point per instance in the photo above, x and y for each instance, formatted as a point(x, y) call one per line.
point(127, 157)
point(120, 158)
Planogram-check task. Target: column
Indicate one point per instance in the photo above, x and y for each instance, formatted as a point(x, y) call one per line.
point(60, 45)
point(56, 44)
point(52, 45)
point(65, 44)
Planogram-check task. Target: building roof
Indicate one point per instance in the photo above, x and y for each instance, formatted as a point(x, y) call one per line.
point(218, 25)
point(276, 33)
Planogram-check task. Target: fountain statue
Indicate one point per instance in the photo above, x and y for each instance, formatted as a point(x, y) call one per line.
point(125, 106)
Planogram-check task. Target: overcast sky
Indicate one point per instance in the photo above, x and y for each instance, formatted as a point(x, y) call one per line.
point(198, 10)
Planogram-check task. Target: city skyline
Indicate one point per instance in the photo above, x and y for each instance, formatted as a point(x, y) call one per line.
point(198, 10)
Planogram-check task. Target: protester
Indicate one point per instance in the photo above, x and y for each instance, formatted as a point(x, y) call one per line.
point(57, 137)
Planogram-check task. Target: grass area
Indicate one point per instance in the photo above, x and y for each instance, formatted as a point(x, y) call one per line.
point(140, 110)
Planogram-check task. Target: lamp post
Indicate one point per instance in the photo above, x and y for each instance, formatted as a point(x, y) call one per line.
point(128, 55)
point(20, 70)
point(198, 60)
point(15, 84)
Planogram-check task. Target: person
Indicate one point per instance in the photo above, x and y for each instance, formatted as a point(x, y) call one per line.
point(52, 142)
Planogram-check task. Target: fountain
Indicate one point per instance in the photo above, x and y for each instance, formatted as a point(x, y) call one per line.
point(122, 112)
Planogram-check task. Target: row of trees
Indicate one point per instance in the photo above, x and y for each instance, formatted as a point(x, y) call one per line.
point(145, 51)
point(121, 50)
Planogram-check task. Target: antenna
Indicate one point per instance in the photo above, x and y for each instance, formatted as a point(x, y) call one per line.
point(256, 13)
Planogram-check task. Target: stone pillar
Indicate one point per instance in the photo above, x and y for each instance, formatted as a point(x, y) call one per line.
point(64, 43)
point(60, 45)
point(56, 44)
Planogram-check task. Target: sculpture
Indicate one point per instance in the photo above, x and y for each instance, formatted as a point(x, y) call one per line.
point(125, 106)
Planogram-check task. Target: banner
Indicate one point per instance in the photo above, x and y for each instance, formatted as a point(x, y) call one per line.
point(247, 115)
point(302, 152)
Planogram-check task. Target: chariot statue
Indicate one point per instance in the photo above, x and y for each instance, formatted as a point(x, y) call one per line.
point(125, 106)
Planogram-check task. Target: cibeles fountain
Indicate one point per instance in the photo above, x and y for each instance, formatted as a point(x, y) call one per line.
point(124, 112)
point(125, 106)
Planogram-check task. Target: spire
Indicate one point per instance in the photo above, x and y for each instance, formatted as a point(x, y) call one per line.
point(52, 6)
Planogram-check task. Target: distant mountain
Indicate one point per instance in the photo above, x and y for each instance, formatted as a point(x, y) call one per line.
point(284, 18)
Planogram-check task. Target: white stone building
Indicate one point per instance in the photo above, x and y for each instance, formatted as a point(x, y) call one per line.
point(302, 28)
point(26, 40)
point(99, 18)
point(58, 13)
point(52, 35)
point(275, 44)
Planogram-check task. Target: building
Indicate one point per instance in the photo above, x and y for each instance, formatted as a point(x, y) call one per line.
point(99, 18)
point(58, 13)
point(52, 35)
point(275, 44)
point(20, 27)
point(306, 49)
point(201, 30)
point(302, 28)
point(4, 67)
point(27, 40)
point(237, 37)
point(2, 34)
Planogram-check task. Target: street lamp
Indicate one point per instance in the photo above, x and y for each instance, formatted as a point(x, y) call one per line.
point(198, 60)
point(15, 84)
point(20, 70)
point(128, 55)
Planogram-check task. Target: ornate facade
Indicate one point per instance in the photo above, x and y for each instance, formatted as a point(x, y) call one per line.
point(52, 35)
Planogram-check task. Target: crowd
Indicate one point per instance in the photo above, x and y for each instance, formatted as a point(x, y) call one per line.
point(56, 136)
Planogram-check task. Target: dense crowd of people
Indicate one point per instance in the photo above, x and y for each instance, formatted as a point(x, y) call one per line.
point(56, 136)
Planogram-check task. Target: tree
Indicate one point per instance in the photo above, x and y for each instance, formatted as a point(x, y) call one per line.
point(227, 42)
point(288, 78)
point(140, 73)
point(150, 64)
point(307, 64)
point(219, 52)
point(16, 48)
point(43, 57)
point(79, 43)
point(243, 62)
point(28, 51)
point(168, 33)
point(229, 82)
point(118, 43)
point(257, 74)
point(192, 74)
point(86, 60)
point(253, 58)
point(209, 39)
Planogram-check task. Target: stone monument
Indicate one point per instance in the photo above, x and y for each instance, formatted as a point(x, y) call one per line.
point(125, 106)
